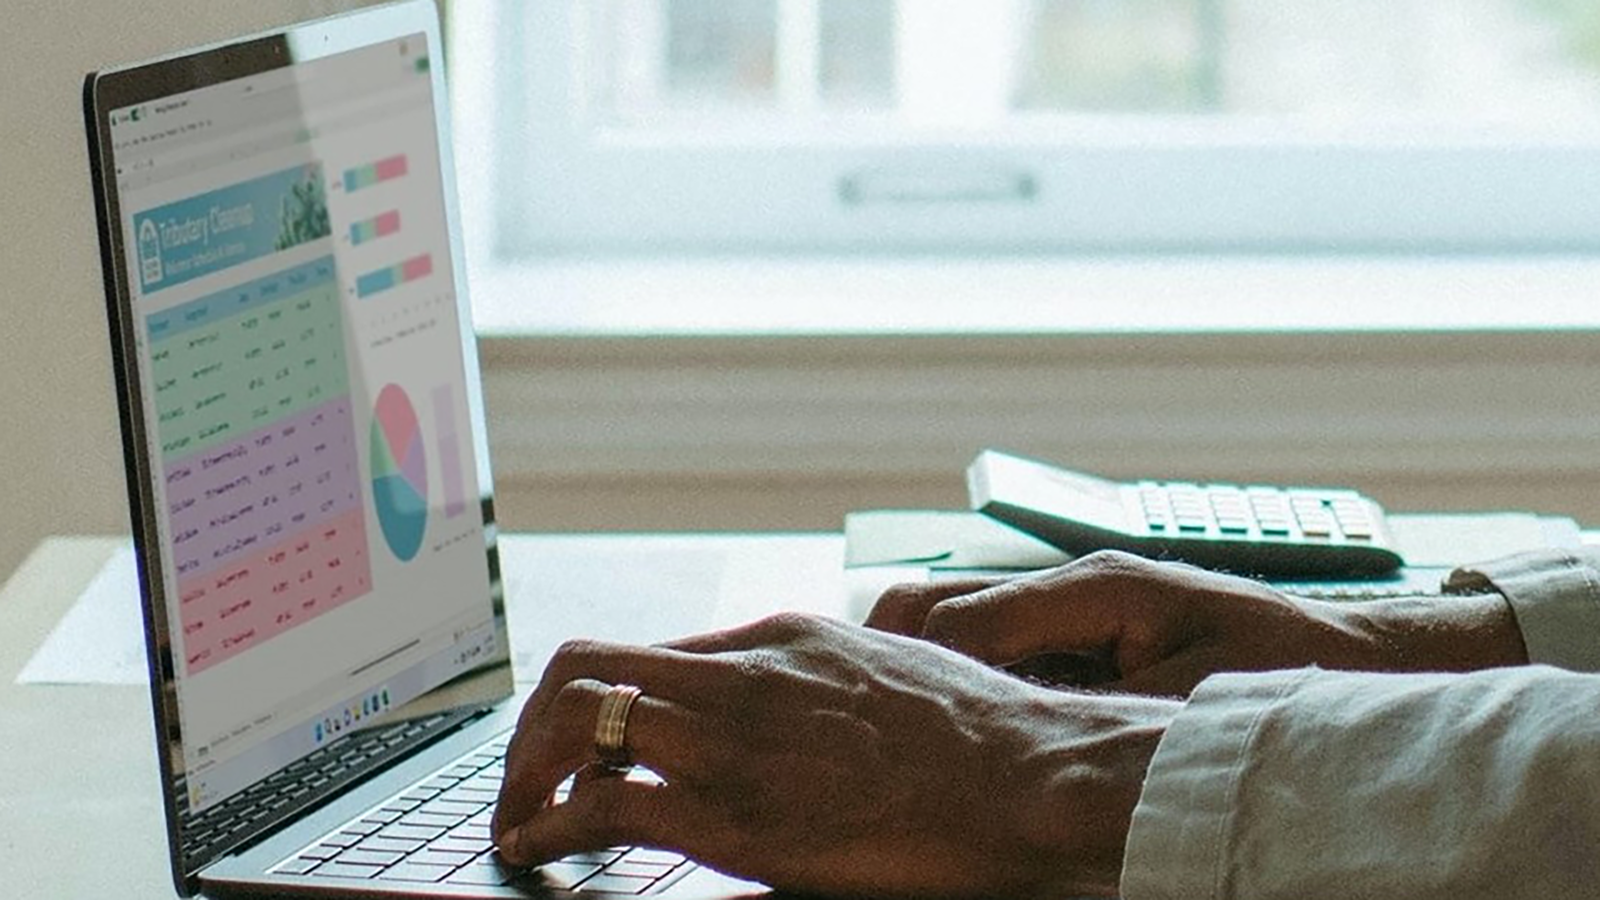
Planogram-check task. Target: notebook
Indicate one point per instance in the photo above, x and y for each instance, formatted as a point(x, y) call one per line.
point(308, 472)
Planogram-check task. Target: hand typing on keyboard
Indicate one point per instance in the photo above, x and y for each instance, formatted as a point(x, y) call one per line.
point(1162, 628)
point(825, 758)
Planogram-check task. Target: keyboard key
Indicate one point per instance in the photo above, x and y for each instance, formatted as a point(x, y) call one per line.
point(470, 832)
point(363, 827)
point(563, 875)
point(322, 851)
point(596, 857)
point(369, 857)
point(390, 845)
point(412, 832)
point(480, 874)
point(432, 820)
point(451, 844)
point(451, 808)
point(616, 884)
point(342, 839)
point(297, 866)
point(345, 870)
point(382, 816)
point(652, 855)
point(638, 869)
point(432, 857)
point(470, 795)
point(407, 871)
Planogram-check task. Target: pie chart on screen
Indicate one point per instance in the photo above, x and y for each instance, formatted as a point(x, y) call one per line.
point(399, 473)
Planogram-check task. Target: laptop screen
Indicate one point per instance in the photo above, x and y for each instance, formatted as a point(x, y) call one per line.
point(300, 398)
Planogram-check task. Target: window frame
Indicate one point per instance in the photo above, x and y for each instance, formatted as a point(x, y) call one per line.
point(564, 188)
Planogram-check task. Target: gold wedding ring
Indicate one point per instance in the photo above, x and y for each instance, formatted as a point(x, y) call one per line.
point(611, 726)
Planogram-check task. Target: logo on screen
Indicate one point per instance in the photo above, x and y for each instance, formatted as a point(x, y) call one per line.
point(149, 253)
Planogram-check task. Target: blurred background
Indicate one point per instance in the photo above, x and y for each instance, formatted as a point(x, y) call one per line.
point(750, 264)
point(1477, 61)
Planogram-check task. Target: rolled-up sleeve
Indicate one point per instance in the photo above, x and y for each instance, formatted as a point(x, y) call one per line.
point(1315, 784)
point(1555, 595)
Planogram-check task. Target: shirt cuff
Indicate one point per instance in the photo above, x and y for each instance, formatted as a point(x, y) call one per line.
point(1177, 841)
point(1555, 596)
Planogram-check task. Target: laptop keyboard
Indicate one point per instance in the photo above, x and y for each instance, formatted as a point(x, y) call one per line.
point(437, 831)
point(299, 785)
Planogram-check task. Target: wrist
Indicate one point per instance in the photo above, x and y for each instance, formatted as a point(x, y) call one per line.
point(1459, 633)
point(1092, 799)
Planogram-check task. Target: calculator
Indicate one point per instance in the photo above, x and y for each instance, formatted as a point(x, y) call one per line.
point(1247, 529)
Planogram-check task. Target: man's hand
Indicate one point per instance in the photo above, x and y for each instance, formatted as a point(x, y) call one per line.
point(1162, 628)
point(826, 758)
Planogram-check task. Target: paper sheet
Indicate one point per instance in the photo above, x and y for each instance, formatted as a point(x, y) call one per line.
point(101, 638)
point(621, 593)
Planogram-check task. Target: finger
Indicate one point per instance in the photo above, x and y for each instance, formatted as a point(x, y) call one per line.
point(1172, 677)
point(903, 608)
point(663, 735)
point(659, 671)
point(606, 813)
point(1085, 605)
point(1177, 674)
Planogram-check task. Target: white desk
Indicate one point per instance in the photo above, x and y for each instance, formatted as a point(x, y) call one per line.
point(80, 811)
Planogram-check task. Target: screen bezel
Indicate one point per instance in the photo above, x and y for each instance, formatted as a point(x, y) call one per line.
point(120, 87)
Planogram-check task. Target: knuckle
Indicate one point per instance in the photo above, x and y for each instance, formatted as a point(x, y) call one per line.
point(570, 700)
point(899, 596)
point(1114, 565)
point(757, 669)
point(785, 626)
point(575, 648)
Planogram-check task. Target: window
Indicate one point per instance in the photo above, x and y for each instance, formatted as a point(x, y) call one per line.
point(982, 126)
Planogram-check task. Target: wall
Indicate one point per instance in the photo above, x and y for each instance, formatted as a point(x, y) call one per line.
point(60, 455)
point(790, 433)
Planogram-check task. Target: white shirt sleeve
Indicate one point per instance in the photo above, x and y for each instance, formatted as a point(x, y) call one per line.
point(1313, 784)
point(1555, 595)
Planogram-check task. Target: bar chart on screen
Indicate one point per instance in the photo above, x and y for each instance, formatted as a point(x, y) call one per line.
point(449, 443)
point(364, 176)
point(379, 226)
point(378, 281)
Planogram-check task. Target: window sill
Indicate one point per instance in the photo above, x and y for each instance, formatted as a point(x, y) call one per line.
point(1126, 295)
point(787, 393)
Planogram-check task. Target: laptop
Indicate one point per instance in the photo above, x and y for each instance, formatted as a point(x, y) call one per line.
point(308, 471)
